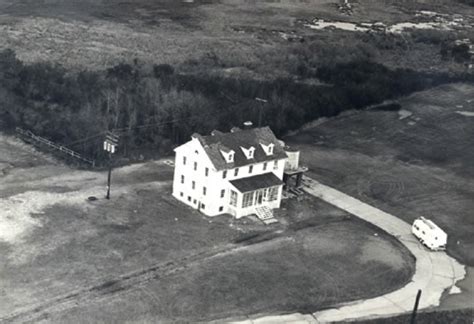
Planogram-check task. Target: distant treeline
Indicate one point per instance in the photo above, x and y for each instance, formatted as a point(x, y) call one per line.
point(155, 108)
point(468, 2)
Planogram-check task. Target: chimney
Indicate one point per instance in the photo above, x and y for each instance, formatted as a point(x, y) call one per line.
point(248, 124)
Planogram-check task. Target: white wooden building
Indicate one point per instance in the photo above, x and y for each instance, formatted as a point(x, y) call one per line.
point(239, 173)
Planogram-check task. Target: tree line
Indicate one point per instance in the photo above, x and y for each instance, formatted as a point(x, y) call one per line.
point(155, 108)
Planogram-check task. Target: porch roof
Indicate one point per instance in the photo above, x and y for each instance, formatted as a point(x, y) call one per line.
point(256, 182)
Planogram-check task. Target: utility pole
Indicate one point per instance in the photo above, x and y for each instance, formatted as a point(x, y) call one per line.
point(263, 101)
point(109, 176)
point(415, 308)
point(110, 143)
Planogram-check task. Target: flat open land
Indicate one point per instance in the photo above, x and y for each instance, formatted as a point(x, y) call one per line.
point(410, 163)
point(243, 37)
point(418, 165)
point(142, 256)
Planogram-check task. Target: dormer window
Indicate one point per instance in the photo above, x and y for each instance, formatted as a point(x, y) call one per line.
point(228, 156)
point(249, 153)
point(268, 149)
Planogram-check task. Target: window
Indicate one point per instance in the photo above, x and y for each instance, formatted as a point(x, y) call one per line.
point(195, 166)
point(204, 190)
point(233, 198)
point(236, 172)
point(265, 166)
point(224, 174)
point(270, 149)
point(275, 165)
point(184, 160)
point(250, 169)
point(221, 208)
point(222, 193)
point(181, 194)
point(228, 155)
point(189, 198)
point(248, 152)
point(251, 152)
point(182, 179)
point(203, 206)
point(247, 199)
point(273, 194)
point(194, 184)
point(194, 201)
point(206, 172)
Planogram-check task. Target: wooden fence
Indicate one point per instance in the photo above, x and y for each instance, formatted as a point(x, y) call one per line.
point(38, 139)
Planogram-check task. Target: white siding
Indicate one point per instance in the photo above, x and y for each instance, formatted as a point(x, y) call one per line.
point(214, 182)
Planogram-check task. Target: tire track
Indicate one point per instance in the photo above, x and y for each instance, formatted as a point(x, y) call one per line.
point(125, 283)
point(112, 286)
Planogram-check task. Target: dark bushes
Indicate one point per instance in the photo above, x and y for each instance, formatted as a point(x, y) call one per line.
point(156, 108)
point(388, 107)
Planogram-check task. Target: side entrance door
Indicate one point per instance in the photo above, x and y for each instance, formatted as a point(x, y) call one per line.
point(259, 197)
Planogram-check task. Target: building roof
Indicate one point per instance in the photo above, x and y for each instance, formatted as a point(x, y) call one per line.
point(256, 182)
point(431, 225)
point(236, 139)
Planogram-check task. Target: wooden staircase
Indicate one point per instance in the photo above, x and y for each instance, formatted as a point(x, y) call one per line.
point(265, 214)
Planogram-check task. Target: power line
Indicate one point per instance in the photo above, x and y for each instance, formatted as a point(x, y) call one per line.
point(123, 129)
point(157, 124)
point(85, 139)
point(172, 121)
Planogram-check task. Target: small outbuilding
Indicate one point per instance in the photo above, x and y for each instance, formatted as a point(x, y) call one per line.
point(429, 234)
point(293, 170)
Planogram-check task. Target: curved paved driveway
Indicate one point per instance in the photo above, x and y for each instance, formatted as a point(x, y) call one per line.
point(434, 271)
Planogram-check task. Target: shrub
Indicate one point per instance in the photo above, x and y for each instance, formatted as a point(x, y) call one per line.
point(162, 70)
point(163, 109)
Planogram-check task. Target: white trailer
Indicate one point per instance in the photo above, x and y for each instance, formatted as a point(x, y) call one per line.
point(429, 234)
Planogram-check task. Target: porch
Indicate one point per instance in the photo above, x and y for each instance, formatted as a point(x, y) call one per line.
point(247, 195)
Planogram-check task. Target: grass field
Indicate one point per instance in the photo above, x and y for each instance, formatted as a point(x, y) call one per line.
point(236, 37)
point(143, 256)
point(435, 317)
point(414, 162)
point(295, 271)
point(419, 165)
